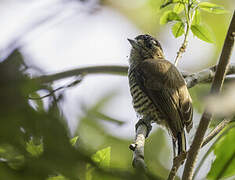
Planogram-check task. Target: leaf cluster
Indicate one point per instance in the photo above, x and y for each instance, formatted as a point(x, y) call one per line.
point(186, 16)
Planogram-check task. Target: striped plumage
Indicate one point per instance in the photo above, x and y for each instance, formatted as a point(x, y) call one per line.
point(141, 103)
point(158, 89)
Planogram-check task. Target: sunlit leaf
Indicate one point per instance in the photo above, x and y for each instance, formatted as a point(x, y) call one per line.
point(178, 8)
point(169, 16)
point(16, 162)
point(34, 149)
point(197, 17)
point(89, 170)
point(59, 177)
point(74, 140)
point(11, 156)
point(178, 29)
point(212, 8)
point(202, 33)
point(102, 157)
point(224, 164)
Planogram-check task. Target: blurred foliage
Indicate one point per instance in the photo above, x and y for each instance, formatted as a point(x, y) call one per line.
point(102, 157)
point(33, 148)
point(95, 112)
point(224, 163)
point(36, 143)
point(145, 14)
point(198, 93)
point(93, 136)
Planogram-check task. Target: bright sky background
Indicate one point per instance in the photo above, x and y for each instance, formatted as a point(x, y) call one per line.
point(77, 37)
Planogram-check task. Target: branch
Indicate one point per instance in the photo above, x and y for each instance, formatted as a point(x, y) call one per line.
point(177, 161)
point(215, 131)
point(211, 149)
point(112, 69)
point(205, 75)
point(138, 147)
point(77, 81)
point(182, 49)
point(215, 88)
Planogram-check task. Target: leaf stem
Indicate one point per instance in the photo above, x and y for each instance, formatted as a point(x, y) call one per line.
point(185, 42)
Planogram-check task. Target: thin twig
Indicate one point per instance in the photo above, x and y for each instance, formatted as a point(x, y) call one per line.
point(183, 47)
point(215, 89)
point(47, 95)
point(215, 131)
point(77, 81)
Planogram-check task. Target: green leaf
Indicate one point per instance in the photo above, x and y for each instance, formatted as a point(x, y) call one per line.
point(224, 164)
point(34, 149)
point(178, 8)
point(59, 177)
point(178, 29)
point(197, 17)
point(169, 16)
point(212, 8)
point(89, 170)
point(202, 33)
point(102, 157)
point(74, 140)
point(13, 158)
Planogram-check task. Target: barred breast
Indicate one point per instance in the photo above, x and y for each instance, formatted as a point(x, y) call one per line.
point(141, 103)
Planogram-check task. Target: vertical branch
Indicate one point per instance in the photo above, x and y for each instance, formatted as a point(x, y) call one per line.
point(177, 162)
point(138, 147)
point(215, 88)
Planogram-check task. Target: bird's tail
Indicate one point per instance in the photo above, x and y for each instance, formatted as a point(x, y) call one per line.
point(181, 139)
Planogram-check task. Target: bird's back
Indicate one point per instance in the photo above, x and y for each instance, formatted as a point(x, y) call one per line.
point(160, 93)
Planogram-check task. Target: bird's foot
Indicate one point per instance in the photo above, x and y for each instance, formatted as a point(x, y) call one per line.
point(147, 123)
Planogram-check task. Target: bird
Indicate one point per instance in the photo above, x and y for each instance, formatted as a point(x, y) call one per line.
point(159, 92)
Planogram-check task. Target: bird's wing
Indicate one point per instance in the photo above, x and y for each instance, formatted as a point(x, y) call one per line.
point(164, 85)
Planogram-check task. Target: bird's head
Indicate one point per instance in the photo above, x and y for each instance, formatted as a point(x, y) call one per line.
point(145, 47)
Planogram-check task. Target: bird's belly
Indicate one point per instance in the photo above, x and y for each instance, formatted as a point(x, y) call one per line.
point(142, 104)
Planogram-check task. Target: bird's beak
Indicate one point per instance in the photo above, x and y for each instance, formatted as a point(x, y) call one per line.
point(133, 43)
